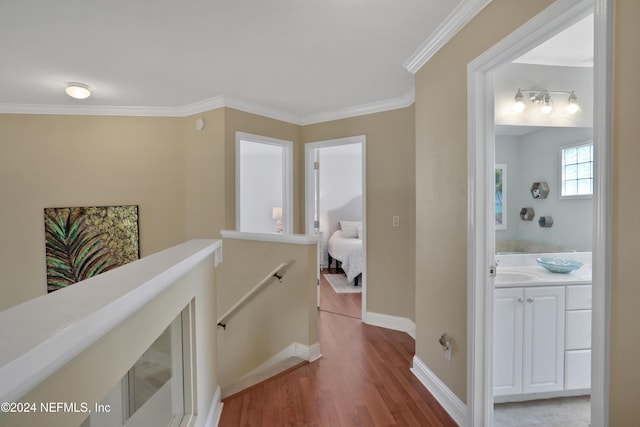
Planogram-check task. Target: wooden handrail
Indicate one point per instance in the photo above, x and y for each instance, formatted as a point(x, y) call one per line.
point(251, 293)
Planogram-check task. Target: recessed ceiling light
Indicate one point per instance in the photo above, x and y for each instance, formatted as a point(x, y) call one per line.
point(78, 90)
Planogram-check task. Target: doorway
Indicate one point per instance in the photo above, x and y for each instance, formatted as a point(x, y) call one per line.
point(542, 377)
point(335, 210)
point(264, 195)
point(481, 255)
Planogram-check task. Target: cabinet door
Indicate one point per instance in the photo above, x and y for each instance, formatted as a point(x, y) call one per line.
point(543, 357)
point(578, 330)
point(507, 341)
point(577, 369)
point(579, 297)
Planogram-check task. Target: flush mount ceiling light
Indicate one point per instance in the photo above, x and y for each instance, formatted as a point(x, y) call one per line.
point(78, 90)
point(543, 98)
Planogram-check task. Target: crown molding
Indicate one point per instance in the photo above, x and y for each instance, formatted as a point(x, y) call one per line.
point(360, 110)
point(87, 110)
point(457, 19)
point(199, 107)
point(211, 104)
point(261, 110)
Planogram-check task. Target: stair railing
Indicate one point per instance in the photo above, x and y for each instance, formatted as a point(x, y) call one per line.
point(276, 272)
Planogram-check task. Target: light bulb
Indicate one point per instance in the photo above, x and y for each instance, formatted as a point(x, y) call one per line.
point(78, 90)
point(519, 104)
point(546, 104)
point(573, 106)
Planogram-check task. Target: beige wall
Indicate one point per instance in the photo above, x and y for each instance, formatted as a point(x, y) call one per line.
point(240, 121)
point(625, 286)
point(184, 182)
point(205, 175)
point(58, 161)
point(91, 375)
point(441, 187)
point(390, 182)
point(278, 316)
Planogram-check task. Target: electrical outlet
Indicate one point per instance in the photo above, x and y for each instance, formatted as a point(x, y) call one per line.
point(396, 221)
point(445, 342)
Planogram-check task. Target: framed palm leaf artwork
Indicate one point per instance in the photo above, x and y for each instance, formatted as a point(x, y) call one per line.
point(82, 242)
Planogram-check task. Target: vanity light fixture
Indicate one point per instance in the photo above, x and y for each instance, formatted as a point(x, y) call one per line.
point(78, 90)
point(543, 98)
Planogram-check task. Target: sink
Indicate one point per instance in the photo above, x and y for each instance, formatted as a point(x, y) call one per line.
point(515, 277)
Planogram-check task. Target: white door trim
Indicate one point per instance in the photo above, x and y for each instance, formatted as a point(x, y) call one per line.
point(309, 149)
point(287, 177)
point(481, 154)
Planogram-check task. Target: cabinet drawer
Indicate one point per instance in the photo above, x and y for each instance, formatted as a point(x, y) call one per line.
point(577, 369)
point(578, 297)
point(578, 332)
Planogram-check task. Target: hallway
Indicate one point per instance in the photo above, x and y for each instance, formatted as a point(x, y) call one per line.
point(362, 379)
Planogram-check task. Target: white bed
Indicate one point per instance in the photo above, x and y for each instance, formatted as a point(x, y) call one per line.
point(348, 251)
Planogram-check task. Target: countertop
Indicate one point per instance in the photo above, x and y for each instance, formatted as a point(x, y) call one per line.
point(533, 274)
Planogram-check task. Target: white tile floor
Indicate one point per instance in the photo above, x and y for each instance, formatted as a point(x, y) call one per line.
point(560, 412)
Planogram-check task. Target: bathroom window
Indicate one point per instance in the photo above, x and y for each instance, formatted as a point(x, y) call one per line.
point(576, 170)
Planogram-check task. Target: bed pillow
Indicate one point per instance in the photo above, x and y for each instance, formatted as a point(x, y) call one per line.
point(350, 229)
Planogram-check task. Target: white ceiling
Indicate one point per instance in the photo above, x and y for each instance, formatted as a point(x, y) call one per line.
point(300, 57)
point(300, 60)
point(572, 47)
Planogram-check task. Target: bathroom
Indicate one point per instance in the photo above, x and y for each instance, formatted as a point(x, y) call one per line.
point(544, 209)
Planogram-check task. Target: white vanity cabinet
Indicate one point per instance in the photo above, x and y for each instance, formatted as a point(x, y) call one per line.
point(577, 355)
point(541, 341)
point(529, 340)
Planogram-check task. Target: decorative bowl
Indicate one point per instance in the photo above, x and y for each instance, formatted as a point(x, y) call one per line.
point(559, 265)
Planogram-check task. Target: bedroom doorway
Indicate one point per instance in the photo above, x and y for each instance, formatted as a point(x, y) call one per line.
point(335, 210)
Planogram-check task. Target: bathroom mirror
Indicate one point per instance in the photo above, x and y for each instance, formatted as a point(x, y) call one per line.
point(532, 154)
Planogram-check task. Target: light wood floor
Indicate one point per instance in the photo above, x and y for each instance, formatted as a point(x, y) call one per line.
point(362, 379)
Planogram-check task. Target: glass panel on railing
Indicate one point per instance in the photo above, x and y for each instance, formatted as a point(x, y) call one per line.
point(152, 392)
point(150, 372)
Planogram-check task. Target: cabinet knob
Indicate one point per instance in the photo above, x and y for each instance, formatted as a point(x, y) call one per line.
point(520, 299)
point(529, 299)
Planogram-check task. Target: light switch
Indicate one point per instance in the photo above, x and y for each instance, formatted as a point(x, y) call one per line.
point(396, 221)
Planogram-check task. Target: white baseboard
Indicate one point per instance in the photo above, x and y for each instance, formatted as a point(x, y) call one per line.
point(391, 322)
point(537, 396)
point(301, 351)
point(292, 355)
point(310, 353)
point(449, 401)
point(215, 410)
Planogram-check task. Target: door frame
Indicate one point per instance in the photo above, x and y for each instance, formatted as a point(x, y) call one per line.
point(287, 176)
point(481, 247)
point(309, 159)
